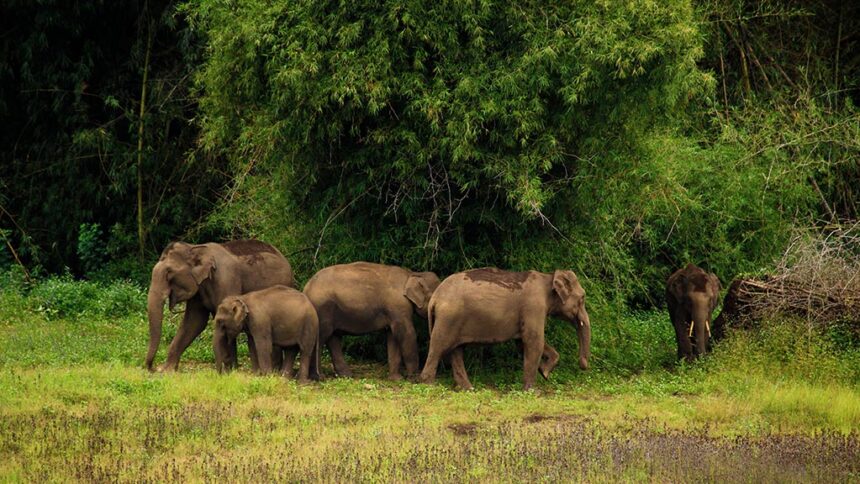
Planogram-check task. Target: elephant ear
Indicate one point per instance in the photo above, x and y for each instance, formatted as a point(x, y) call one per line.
point(675, 285)
point(417, 290)
point(716, 286)
point(202, 265)
point(239, 310)
point(563, 283)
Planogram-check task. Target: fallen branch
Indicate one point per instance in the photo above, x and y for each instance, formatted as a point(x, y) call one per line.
point(816, 279)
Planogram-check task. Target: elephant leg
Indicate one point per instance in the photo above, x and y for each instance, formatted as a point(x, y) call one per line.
point(289, 361)
point(336, 350)
point(307, 353)
point(458, 367)
point(533, 346)
point(263, 343)
point(680, 322)
point(325, 332)
point(408, 341)
point(428, 375)
point(252, 354)
point(394, 358)
point(233, 353)
point(549, 360)
point(193, 323)
point(277, 358)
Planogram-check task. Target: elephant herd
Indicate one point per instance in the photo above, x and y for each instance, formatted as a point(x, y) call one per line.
point(249, 287)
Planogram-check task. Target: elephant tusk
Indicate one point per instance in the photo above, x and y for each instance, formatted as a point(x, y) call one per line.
point(691, 328)
point(708, 327)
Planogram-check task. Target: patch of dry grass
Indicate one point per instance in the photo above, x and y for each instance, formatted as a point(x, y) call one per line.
point(122, 424)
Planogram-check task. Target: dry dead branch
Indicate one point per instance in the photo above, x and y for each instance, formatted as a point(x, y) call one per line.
point(817, 278)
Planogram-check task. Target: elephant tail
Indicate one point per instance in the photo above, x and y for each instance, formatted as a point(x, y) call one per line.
point(430, 311)
point(317, 358)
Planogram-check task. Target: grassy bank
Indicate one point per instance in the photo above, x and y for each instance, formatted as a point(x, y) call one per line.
point(782, 403)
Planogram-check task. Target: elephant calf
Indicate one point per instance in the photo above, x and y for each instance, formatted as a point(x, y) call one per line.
point(490, 306)
point(691, 296)
point(276, 319)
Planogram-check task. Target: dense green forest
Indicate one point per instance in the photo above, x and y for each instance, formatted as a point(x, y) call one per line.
point(618, 139)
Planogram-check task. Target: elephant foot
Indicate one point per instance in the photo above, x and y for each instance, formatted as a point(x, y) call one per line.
point(168, 369)
point(395, 376)
point(583, 364)
point(466, 388)
point(344, 374)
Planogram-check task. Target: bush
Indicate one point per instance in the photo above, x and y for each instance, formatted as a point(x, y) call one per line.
point(437, 135)
point(91, 249)
point(789, 348)
point(63, 297)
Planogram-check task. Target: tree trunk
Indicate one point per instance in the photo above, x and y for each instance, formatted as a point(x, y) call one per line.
point(140, 230)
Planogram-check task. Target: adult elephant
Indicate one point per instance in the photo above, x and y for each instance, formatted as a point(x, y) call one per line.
point(201, 276)
point(362, 297)
point(691, 296)
point(490, 306)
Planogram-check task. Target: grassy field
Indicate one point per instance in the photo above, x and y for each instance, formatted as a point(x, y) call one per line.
point(779, 404)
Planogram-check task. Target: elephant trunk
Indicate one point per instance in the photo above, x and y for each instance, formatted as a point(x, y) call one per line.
point(158, 293)
point(583, 331)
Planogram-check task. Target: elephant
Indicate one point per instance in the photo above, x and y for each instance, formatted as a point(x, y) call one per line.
point(202, 275)
point(362, 297)
point(490, 305)
point(276, 319)
point(691, 296)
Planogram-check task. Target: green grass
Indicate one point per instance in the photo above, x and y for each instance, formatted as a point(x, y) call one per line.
point(75, 402)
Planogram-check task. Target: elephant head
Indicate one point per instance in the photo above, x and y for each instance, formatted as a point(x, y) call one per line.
point(229, 322)
point(418, 289)
point(176, 277)
point(570, 306)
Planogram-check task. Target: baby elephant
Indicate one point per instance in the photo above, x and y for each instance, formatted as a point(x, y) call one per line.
point(276, 319)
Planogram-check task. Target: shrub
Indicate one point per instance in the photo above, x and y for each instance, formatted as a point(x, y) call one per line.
point(788, 348)
point(91, 249)
point(64, 297)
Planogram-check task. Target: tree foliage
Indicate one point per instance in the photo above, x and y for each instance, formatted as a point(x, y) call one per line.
point(70, 85)
point(519, 134)
point(433, 133)
point(618, 139)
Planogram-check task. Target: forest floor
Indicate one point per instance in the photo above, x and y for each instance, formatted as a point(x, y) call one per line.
point(75, 404)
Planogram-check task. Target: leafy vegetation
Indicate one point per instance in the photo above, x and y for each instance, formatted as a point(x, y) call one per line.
point(619, 140)
point(73, 152)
